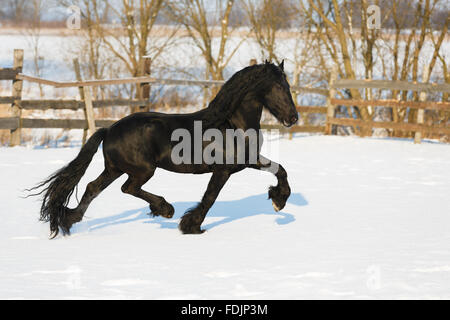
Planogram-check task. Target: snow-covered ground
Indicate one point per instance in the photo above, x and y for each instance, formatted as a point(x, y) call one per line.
point(368, 218)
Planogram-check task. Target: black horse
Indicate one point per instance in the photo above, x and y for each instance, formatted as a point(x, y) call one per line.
point(137, 144)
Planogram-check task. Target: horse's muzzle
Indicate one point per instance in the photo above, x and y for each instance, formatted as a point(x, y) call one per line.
point(292, 120)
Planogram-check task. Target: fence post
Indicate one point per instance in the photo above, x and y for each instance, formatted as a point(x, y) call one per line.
point(144, 88)
point(331, 95)
point(421, 112)
point(16, 110)
point(295, 79)
point(366, 130)
point(89, 111)
point(76, 67)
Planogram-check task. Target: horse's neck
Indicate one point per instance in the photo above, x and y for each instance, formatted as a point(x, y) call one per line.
point(247, 115)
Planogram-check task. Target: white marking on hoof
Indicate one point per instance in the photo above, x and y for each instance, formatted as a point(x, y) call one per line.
point(275, 207)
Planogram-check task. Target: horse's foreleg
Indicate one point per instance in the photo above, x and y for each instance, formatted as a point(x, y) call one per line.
point(158, 205)
point(93, 189)
point(281, 192)
point(193, 218)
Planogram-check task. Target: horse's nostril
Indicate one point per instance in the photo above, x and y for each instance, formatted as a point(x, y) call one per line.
point(294, 119)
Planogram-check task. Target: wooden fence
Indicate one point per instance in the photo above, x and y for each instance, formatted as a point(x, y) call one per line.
point(16, 121)
point(418, 128)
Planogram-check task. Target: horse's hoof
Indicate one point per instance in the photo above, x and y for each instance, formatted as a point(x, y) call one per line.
point(279, 197)
point(70, 219)
point(194, 230)
point(189, 224)
point(168, 211)
point(275, 207)
point(187, 228)
point(165, 210)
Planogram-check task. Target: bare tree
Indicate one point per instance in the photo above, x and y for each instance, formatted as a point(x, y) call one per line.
point(90, 49)
point(16, 11)
point(33, 35)
point(308, 60)
point(329, 22)
point(346, 40)
point(126, 30)
point(267, 18)
point(410, 38)
point(209, 31)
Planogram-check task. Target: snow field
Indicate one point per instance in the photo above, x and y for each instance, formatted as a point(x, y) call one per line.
point(367, 218)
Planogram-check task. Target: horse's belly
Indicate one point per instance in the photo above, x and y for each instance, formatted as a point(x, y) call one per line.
point(185, 168)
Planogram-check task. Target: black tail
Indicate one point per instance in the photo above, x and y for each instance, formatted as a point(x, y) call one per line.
point(60, 186)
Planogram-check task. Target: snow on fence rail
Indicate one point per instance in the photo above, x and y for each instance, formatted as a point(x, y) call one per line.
point(16, 122)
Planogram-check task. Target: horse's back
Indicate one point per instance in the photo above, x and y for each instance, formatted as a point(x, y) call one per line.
point(136, 140)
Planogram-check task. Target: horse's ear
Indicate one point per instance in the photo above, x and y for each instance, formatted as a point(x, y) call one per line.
point(267, 61)
point(281, 65)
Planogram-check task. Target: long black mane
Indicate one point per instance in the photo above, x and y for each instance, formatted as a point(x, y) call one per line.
point(250, 79)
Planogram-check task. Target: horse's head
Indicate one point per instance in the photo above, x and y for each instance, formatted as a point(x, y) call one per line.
point(277, 95)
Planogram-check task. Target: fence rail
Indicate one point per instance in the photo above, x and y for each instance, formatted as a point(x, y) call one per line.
point(16, 122)
point(150, 80)
point(418, 128)
point(431, 105)
point(8, 73)
point(391, 125)
point(391, 85)
point(76, 104)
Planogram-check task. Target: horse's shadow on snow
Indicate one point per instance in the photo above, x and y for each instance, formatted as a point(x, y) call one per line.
point(227, 210)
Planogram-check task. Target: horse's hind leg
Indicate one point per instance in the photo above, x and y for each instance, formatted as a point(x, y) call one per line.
point(93, 189)
point(158, 205)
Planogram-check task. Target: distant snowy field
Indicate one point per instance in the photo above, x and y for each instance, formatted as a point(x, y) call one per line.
point(368, 218)
point(58, 52)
